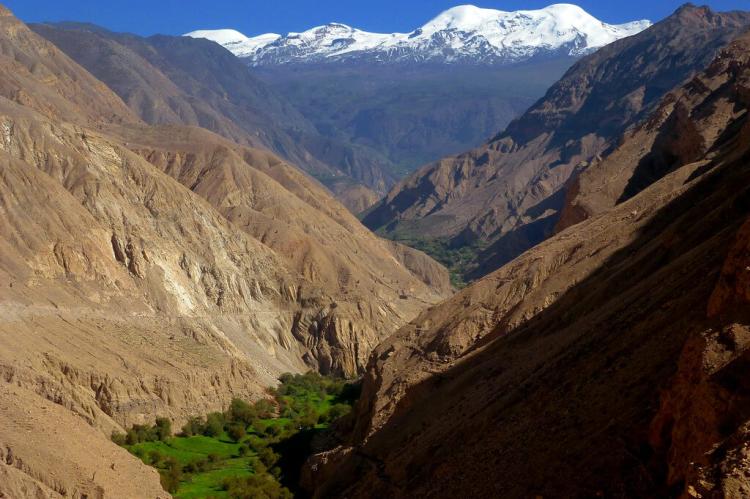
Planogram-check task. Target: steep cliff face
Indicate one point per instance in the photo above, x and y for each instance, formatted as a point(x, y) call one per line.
point(505, 197)
point(160, 272)
point(702, 429)
point(607, 361)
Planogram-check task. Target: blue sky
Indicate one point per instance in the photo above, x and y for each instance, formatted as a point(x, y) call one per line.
point(253, 17)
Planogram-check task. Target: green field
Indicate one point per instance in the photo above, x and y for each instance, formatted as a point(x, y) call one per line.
point(249, 450)
point(189, 449)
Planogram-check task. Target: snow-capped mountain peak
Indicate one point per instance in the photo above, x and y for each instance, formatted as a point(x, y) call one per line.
point(234, 41)
point(463, 18)
point(463, 34)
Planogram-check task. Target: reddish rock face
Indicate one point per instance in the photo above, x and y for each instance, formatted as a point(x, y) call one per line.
point(701, 432)
point(733, 290)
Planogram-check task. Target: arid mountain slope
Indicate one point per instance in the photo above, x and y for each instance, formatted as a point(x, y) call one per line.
point(371, 288)
point(179, 80)
point(40, 435)
point(128, 292)
point(124, 295)
point(684, 128)
point(38, 75)
point(608, 361)
point(505, 197)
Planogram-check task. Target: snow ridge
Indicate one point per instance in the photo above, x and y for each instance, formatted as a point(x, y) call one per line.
point(463, 34)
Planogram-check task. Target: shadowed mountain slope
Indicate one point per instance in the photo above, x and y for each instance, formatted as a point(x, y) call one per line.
point(413, 114)
point(608, 361)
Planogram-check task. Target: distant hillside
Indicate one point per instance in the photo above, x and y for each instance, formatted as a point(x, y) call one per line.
point(413, 98)
point(481, 209)
point(179, 80)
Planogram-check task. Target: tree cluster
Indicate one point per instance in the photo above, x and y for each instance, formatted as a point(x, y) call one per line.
point(161, 430)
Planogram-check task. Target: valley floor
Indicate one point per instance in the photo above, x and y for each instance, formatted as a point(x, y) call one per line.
point(250, 450)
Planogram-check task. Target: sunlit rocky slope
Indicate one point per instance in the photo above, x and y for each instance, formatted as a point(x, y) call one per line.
point(154, 271)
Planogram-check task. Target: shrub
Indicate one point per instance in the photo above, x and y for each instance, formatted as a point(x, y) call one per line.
point(258, 467)
point(118, 438)
point(255, 442)
point(214, 424)
point(171, 475)
point(197, 466)
point(194, 426)
point(267, 456)
point(338, 411)
point(276, 472)
point(255, 487)
point(137, 434)
point(236, 431)
point(241, 411)
point(272, 430)
point(140, 433)
point(264, 409)
point(308, 419)
point(163, 428)
point(155, 458)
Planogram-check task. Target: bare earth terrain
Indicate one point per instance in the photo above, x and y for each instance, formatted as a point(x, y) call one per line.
point(161, 271)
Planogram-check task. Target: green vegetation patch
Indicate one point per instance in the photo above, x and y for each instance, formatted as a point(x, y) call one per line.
point(251, 449)
point(459, 261)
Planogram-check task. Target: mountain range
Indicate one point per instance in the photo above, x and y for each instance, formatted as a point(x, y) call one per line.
point(160, 269)
point(178, 80)
point(464, 34)
point(609, 360)
point(410, 99)
point(481, 209)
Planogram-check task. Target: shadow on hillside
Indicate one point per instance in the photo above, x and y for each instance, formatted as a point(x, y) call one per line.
point(562, 405)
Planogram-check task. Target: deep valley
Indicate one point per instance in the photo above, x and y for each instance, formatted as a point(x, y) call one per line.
point(493, 254)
